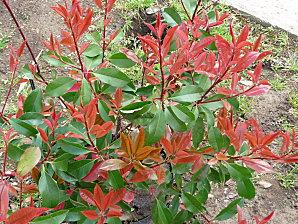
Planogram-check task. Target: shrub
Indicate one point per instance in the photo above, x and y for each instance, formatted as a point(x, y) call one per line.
point(87, 140)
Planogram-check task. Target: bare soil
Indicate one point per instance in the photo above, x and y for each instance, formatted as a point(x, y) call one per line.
point(38, 21)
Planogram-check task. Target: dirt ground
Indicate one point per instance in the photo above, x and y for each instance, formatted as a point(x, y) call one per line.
point(38, 21)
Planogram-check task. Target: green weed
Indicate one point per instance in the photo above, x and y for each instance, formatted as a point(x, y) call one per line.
point(278, 84)
point(288, 179)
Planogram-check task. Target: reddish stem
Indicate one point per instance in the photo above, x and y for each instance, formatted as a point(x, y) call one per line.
point(9, 91)
point(21, 192)
point(196, 9)
point(162, 75)
point(104, 32)
point(185, 10)
point(4, 160)
point(24, 39)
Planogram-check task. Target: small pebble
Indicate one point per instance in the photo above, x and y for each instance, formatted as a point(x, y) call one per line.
point(264, 184)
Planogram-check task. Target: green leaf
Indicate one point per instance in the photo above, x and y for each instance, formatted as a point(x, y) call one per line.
point(59, 86)
point(50, 193)
point(198, 132)
point(115, 179)
point(53, 218)
point(208, 115)
point(201, 174)
point(72, 147)
point(183, 113)
point(33, 102)
point(161, 214)
point(156, 128)
point(80, 168)
point(203, 81)
point(14, 152)
point(32, 118)
point(112, 76)
point(174, 121)
point(171, 16)
point(238, 172)
point(121, 61)
point(230, 210)
point(215, 139)
point(61, 163)
point(134, 107)
point(23, 128)
point(245, 188)
point(182, 217)
point(190, 5)
point(187, 94)
point(53, 61)
point(114, 220)
point(92, 51)
point(28, 160)
point(85, 92)
point(191, 203)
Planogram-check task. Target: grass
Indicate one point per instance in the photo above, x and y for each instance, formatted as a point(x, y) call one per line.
point(3, 41)
point(293, 100)
point(278, 84)
point(135, 5)
point(245, 105)
point(288, 179)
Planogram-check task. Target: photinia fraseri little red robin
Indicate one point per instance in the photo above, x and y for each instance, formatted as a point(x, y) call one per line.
point(173, 133)
point(105, 204)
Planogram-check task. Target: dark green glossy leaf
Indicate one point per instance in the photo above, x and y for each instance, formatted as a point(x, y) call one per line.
point(50, 193)
point(53, 218)
point(32, 118)
point(85, 92)
point(121, 61)
point(33, 102)
point(72, 147)
point(59, 86)
point(198, 132)
point(245, 188)
point(230, 210)
point(161, 214)
point(156, 128)
point(187, 94)
point(215, 139)
point(23, 127)
point(115, 179)
point(112, 76)
point(191, 203)
point(171, 16)
point(80, 168)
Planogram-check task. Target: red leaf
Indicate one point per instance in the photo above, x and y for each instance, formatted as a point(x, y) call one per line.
point(25, 215)
point(83, 27)
point(113, 164)
point(4, 199)
point(94, 173)
point(141, 176)
point(152, 80)
point(167, 40)
point(243, 36)
point(43, 135)
point(258, 165)
point(266, 219)
point(21, 49)
point(90, 214)
point(102, 130)
point(258, 90)
point(110, 5)
point(257, 73)
point(98, 3)
point(246, 61)
point(87, 196)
